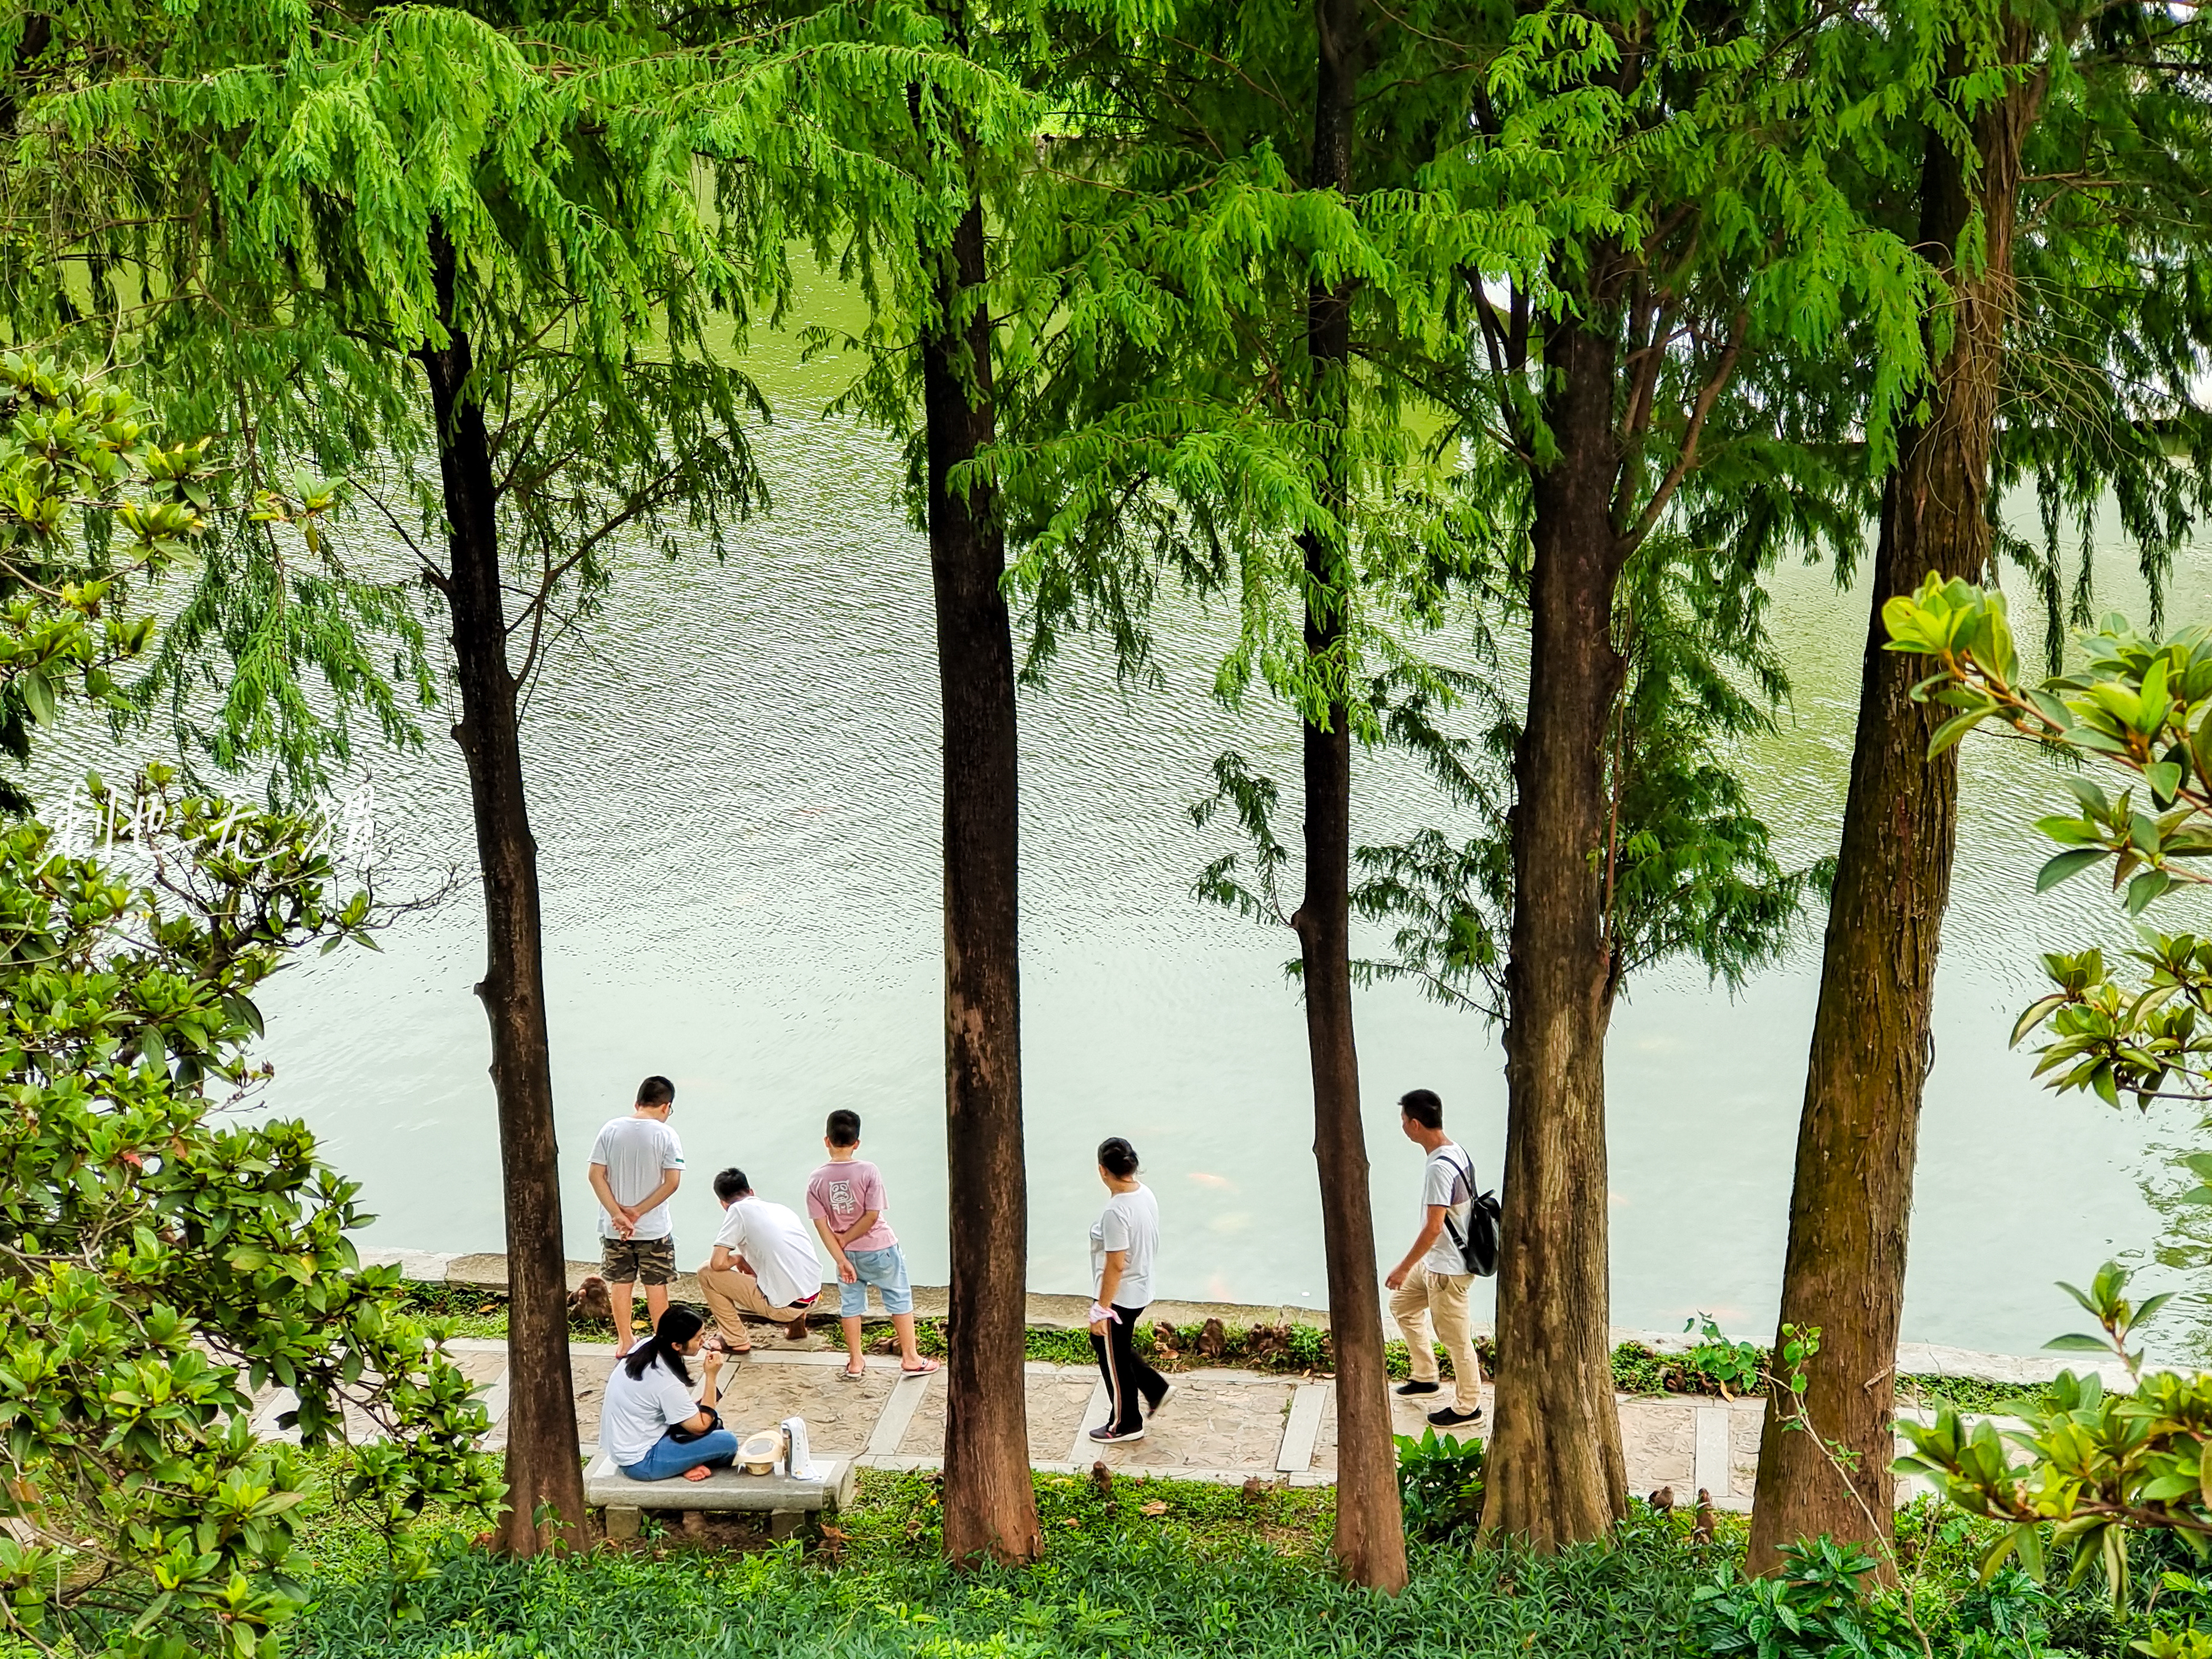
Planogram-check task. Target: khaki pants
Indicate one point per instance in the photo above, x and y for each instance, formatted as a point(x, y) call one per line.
point(1429, 1299)
point(731, 1290)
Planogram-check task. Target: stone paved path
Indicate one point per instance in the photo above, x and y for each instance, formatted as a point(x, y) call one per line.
point(1222, 1425)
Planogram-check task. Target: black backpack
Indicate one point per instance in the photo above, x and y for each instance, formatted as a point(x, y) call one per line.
point(1478, 1248)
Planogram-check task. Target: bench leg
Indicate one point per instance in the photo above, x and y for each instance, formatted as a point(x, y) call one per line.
point(621, 1524)
point(695, 1522)
point(781, 1523)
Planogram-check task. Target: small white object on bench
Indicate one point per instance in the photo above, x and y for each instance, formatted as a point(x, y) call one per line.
point(732, 1490)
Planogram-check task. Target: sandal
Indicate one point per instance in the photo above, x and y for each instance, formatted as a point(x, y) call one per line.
point(852, 1376)
point(922, 1370)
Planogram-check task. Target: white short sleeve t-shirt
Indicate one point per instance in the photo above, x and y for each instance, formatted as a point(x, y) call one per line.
point(1448, 1181)
point(638, 1411)
point(777, 1245)
point(638, 1152)
point(1132, 1223)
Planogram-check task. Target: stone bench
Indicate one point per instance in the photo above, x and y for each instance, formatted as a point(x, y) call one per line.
point(785, 1501)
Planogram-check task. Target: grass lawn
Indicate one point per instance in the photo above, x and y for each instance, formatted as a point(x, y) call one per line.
point(1175, 1568)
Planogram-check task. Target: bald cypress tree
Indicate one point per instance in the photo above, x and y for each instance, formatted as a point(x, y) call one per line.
point(408, 246)
point(2066, 359)
point(1245, 261)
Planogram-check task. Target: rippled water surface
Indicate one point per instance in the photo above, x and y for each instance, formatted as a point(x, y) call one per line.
point(734, 789)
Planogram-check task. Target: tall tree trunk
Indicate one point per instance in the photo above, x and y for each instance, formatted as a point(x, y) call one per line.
point(544, 1474)
point(1556, 1475)
point(1370, 1534)
point(990, 1506)
point(1872, 1041)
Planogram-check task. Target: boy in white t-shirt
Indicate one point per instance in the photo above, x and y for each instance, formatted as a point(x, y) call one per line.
point(763, 1263)
point(636, 1164)
point(1430, 1284)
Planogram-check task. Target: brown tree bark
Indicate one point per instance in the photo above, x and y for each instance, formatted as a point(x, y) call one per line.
point(1555, 1474)
point(1872, 1041)
point(1370, 1534)
point(545, 1476)
point(990, 1505)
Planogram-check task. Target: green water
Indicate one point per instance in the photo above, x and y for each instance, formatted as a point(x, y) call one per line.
point(734, 789)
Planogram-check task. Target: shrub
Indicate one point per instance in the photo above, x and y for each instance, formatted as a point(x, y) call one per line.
point(1440, 1481)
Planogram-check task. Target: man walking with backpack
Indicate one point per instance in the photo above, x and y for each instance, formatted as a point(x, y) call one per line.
point(1429, 1285)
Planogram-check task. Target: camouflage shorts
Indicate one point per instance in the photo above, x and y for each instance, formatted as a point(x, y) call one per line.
point(638, 1260)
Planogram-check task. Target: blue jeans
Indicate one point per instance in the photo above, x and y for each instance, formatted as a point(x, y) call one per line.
point(715, 1450)
point(885, 1269)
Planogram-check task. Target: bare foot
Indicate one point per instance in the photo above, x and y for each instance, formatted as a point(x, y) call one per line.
point(699, 1473)
point(920, 1368)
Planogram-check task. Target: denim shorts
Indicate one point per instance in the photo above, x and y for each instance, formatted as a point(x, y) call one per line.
point(885, 1269)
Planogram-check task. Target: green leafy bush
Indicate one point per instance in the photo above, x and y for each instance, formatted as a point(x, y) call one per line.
point(1734, 1367)
point(1816, 1607)
point(161, 1261)
point(164, 1262)
point(1440, 1481)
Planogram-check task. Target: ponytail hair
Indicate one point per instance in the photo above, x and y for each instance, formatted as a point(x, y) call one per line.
point(678, 1326)
point(1117, 1157)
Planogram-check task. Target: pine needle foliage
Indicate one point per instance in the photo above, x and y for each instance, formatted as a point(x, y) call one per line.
point(2103, 402)
point(1688, 869)
point(1170, 424)
point(248, 199)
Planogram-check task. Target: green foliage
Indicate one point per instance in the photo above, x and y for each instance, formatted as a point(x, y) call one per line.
point(2140, 708)
point(1169, 422)
point(2100, 1464)
point(2190, 1644)
point(1817, 1604)
point(1737, 1367)
point(1440, 1480)
point(1966, 1394)
point(2106, 321)
point(619, 200)
point(166, 1261)
point(1688, 869)
point(1146, 1565)
point(91, 503)
point(1150, 1566)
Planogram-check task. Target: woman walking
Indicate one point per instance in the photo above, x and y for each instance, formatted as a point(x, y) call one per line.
point(1123, 1242)
point(649, 1423)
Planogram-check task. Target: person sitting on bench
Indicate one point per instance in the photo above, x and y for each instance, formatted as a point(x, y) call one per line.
point(649, 1424)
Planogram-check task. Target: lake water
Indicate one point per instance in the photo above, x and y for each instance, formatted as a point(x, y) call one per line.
point(735, 791)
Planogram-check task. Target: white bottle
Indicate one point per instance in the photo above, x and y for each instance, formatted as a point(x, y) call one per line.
point(798, 1459)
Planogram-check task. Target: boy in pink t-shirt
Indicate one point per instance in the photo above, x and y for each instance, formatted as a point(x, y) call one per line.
point(845, 1197)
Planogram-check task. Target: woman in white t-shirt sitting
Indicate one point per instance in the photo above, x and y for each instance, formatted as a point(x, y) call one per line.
point(1123, 1241)
point(650, 1395)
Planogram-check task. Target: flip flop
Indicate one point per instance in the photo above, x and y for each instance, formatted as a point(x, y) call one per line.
point(922, 1370)
point(852, 1376)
